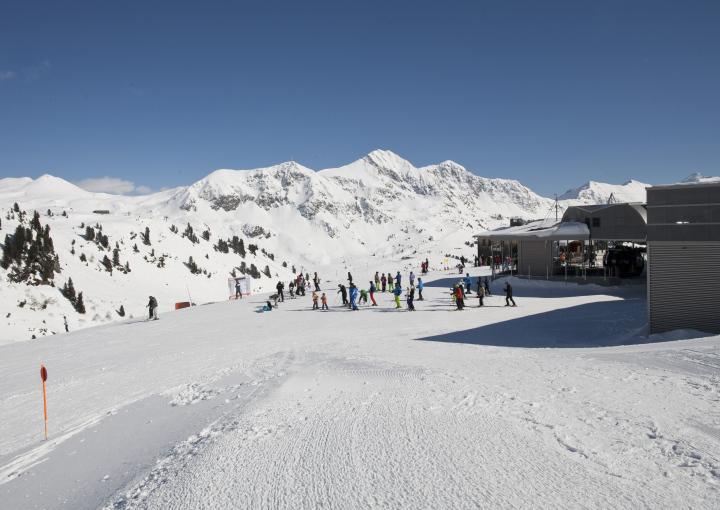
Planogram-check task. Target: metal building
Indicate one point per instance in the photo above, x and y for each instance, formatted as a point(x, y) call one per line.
point(684, 257)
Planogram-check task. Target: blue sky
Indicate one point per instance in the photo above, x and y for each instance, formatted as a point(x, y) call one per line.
point(553, 94)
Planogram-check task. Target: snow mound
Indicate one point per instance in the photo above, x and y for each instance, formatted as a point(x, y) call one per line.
point(599, 193)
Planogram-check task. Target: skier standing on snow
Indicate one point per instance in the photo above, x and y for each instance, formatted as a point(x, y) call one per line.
point(411, 297)
point(353, 296)
point(316, 281)
point(66, 324)
point(481, 294)
point(377, 280)
point(343, 293)
point(315, 301)
point(398, 279)
point(349, 277)
point(391, 287)
point(373, 288)
point(397, 292)
point(280, 286)
point(412, 280)
point(152, 305)
point(486, 283)
point(508, 291)
point(420, 289)
point(459, 297)
point(468, 283)
point(324, 302)
point(238, 290)
point(383, 280)
point(427, 266)
point(291, 288)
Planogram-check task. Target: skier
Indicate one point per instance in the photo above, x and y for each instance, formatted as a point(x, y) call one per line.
point(343, 293)
point(397, 292)
point(508, 291)
point(291, 288)
point(420, 289)
point(315, 301)
point(324, 302)
point(468, 283)
point(481, 294)
point(391, 287)
point(267, 307)
point(373, 288)
point(459, 297)
point(377, 280)
point(153, 305)
point(238, 290)
point(349, 277)
point(280, 286)
point(363, 296)
point(398, 279)
point(412, 280)
point(383, 280)
point(427, 266)
point(353, 296)
point(410, 298)
point(66, 324)
point(301, 285)
point(276, 297)
point(316, 281)
point(486, 283)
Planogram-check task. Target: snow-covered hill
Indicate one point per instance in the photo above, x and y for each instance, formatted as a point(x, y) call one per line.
point(699, 178)
point(599, 193)
point(330, 221)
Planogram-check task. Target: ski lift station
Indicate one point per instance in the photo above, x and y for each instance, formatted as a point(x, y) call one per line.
point(671, 243)
point(597, 243)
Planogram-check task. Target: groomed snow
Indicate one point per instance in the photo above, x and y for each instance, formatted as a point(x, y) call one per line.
point(220, 406)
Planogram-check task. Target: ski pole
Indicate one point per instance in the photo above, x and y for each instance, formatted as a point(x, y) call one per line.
point(43, 375)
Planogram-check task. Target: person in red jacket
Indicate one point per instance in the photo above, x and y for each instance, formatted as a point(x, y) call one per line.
point(458, 293)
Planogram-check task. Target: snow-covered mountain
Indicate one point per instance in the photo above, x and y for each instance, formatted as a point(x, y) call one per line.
point(599, 193)
point(699, 178)
point(329, 221)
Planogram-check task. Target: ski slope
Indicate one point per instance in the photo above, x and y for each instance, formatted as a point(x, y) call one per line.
point(560, 402)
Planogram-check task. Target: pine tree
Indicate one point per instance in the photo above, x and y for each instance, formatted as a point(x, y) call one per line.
point(135, 249)
point(69, 290)
point(116, 257)
point(254, 273)
point(7, 257)
point(206, 235)
point(233, 273)
point(127, 267)
point(107, 263)
point(121, 312)
point(146, 237)
point(80, 304)
point(89, 233)
point(243, 267)
point(83, 258)
point(267, 271)
point(252, 248)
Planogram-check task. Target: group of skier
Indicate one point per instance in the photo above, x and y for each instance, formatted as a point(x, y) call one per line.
point(352, 296)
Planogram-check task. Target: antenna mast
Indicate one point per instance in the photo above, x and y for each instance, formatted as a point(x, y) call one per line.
point(556, 207)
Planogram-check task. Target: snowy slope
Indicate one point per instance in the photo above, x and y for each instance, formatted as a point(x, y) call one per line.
point(699, 178)
point(538, 406)
point(330, 221)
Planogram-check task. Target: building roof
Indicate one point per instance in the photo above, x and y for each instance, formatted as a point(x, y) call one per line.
point(706, 183)
point(540, 231)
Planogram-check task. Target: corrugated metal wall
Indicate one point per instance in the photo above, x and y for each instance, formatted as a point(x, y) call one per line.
point(537, 255)
point(683, 287)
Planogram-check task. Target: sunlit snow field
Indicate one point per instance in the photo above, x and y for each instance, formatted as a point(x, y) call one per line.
point(221, 406)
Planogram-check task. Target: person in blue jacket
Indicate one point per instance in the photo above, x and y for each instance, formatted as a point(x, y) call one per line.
point(420, 289)
point(353, 296)
point(397, 292)
point(398, 278)
point(468, 283)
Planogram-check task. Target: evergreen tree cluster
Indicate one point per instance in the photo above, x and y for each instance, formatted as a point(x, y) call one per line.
point(192, 265)
point(190, 234)
point(68, 291)
point(29, 253)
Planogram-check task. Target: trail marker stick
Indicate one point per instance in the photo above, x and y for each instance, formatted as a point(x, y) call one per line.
point(43, 375)
point(188, 289)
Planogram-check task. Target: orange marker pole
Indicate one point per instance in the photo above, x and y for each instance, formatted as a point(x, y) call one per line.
point(43, 374)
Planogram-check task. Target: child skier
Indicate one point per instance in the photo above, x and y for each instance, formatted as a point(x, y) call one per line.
point(315, 301)
point(324, 302)
point(383, 280)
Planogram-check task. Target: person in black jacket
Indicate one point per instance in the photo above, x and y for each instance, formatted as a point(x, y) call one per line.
point(280, 286)
point(349, 277)
point(508, 291)
point(316, 281)
point(343, 293)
